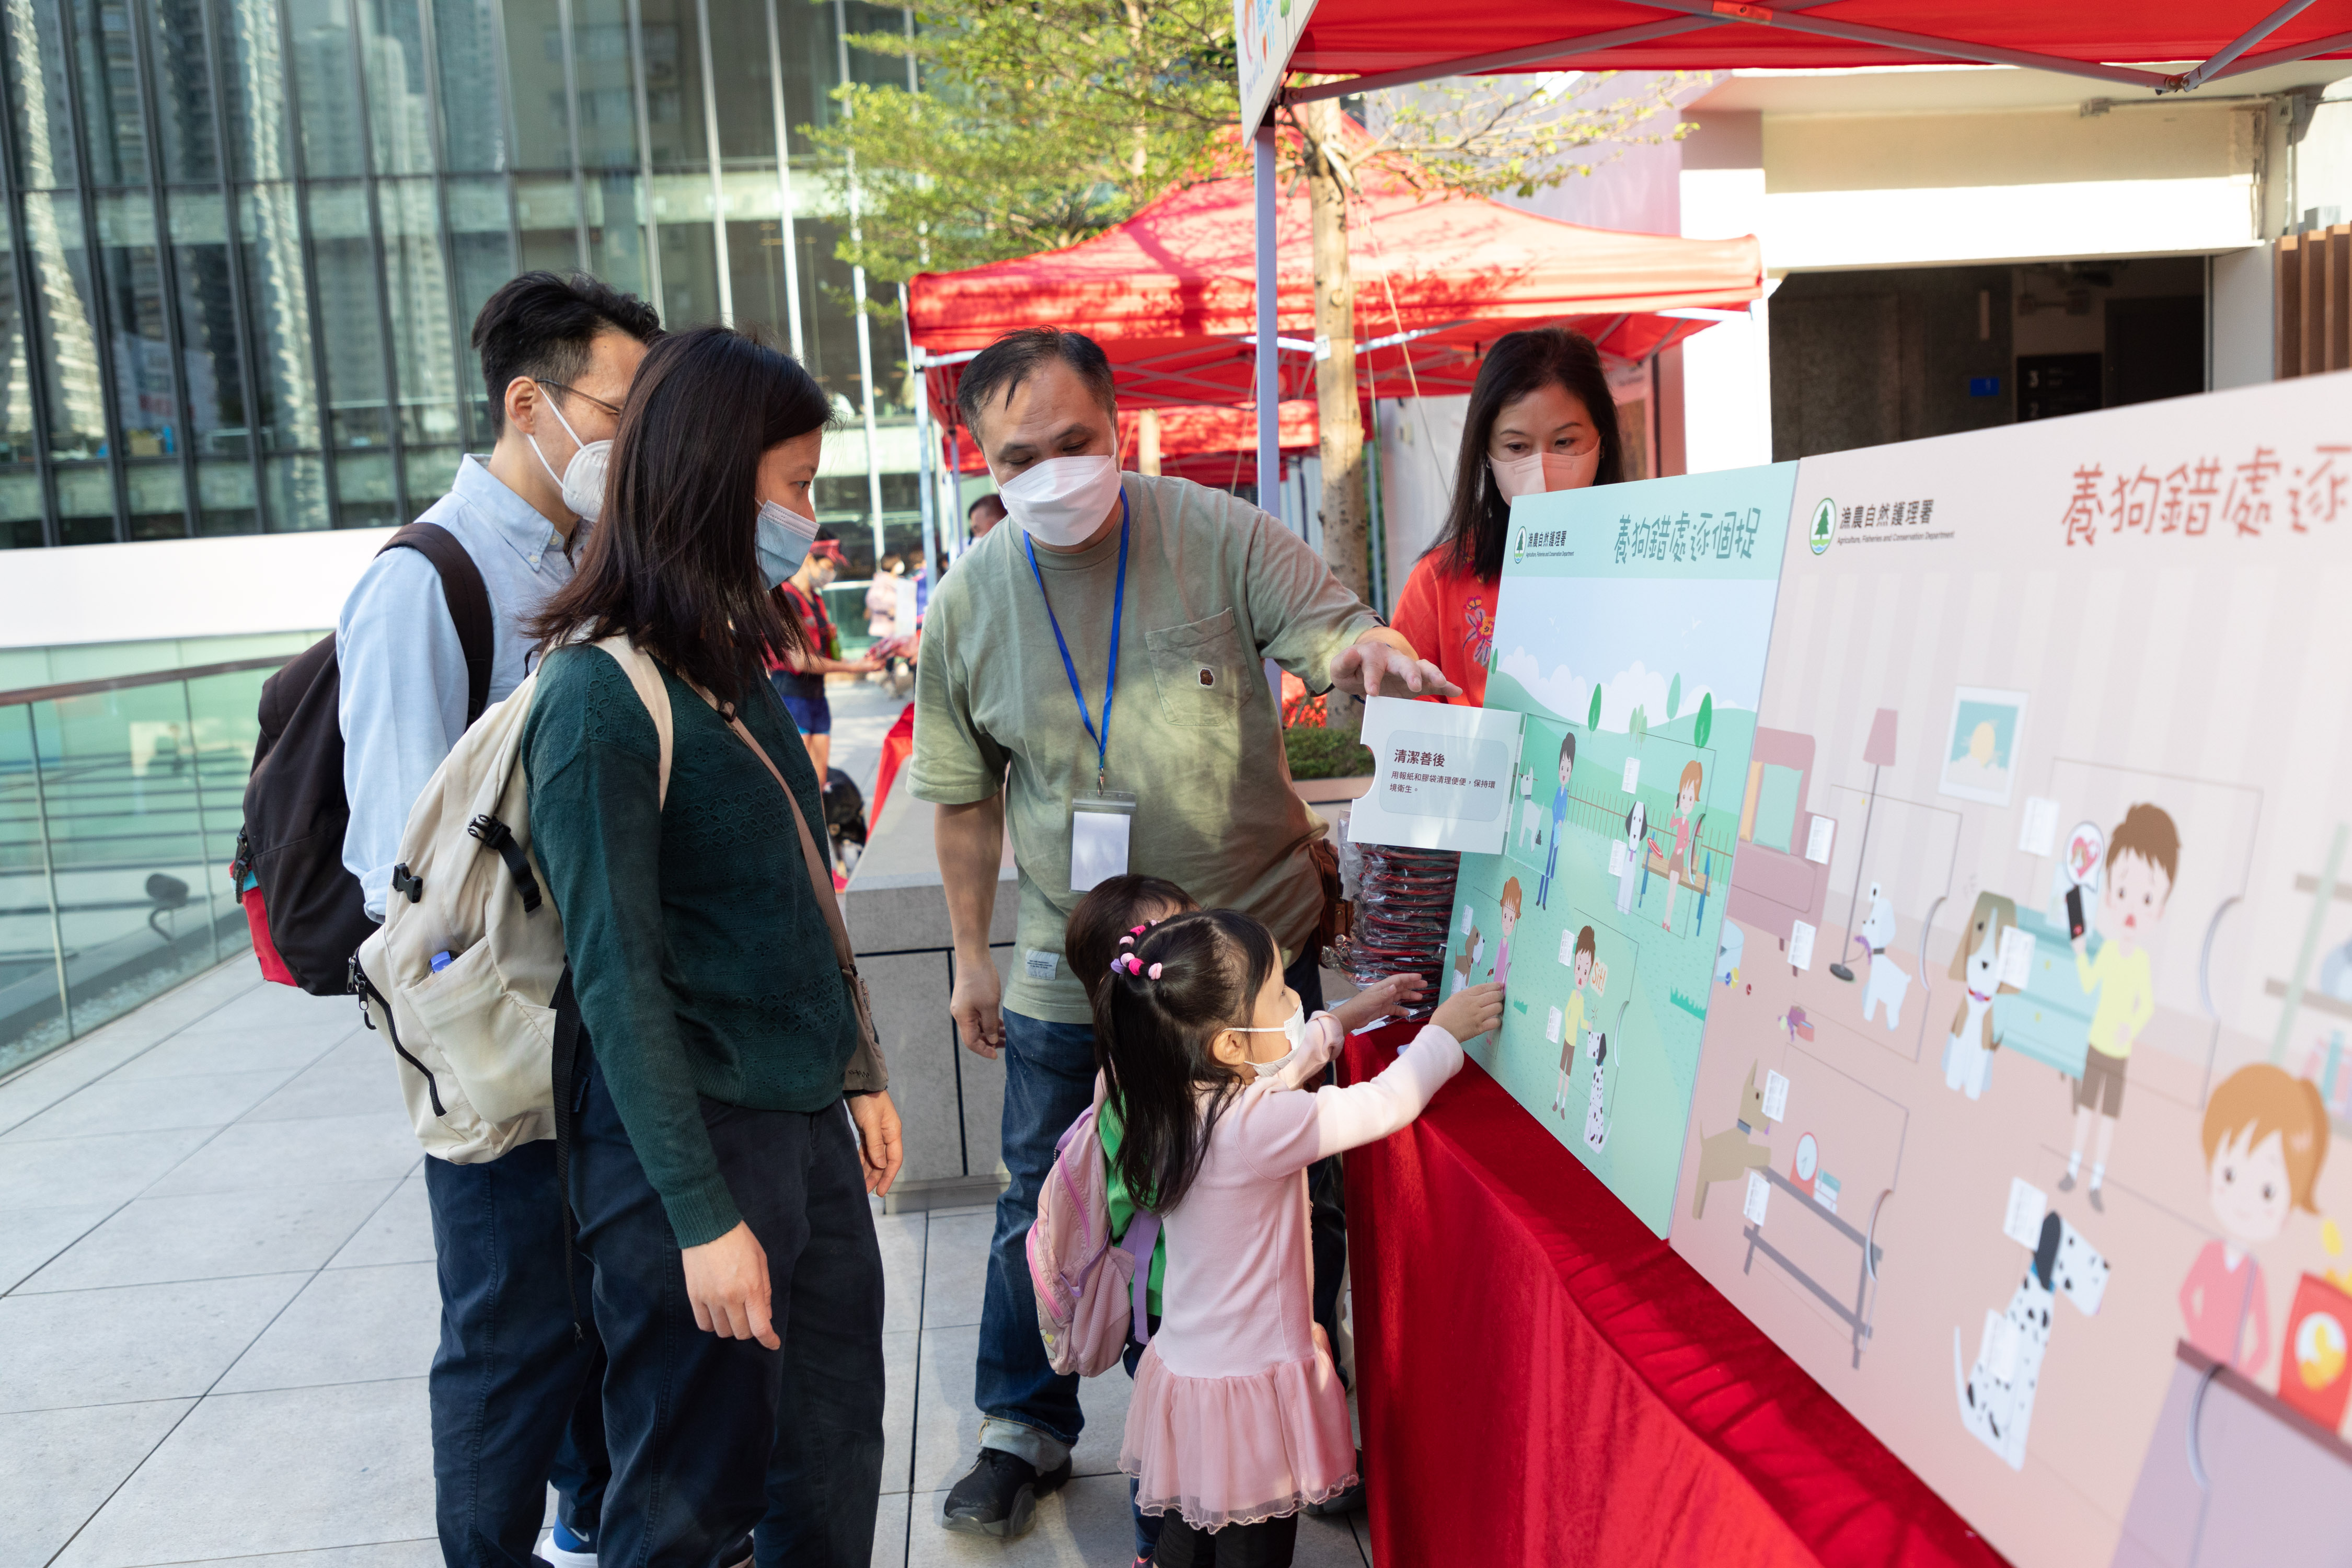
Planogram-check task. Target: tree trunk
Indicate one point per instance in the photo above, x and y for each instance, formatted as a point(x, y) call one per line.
point(1344, 512)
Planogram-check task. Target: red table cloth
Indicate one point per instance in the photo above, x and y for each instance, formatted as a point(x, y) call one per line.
point(1543, 1381)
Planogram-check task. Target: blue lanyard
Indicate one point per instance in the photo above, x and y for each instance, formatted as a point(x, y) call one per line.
point(1101, 738)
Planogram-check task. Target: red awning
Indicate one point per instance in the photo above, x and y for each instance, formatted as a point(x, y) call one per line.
point(1373, 37)
point(1198, 441)
point(1171, 296)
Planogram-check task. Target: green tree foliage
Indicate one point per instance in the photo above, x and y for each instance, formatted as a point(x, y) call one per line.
point(1674, 697)
point(1703, 725)
point(1041, 122)
point(1592, 715)
point(1640, 725)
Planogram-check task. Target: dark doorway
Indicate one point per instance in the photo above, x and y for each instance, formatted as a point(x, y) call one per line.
point(2156, 347)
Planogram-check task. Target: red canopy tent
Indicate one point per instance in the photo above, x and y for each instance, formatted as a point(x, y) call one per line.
point(1172, 296)
point(1197, 441)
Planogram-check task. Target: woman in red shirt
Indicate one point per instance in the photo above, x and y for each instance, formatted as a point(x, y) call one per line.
point(1540, 418)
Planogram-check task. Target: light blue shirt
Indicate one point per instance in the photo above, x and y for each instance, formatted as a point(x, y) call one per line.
point(403, 703)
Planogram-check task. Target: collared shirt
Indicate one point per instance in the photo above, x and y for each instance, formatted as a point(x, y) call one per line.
point(403, 703)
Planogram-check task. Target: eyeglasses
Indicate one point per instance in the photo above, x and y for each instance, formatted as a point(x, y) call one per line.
point(558, 386)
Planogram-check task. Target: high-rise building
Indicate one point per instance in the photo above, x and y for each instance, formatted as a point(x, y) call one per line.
point(244, 239)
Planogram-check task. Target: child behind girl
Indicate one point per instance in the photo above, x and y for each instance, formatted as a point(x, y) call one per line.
point(1238, 1419)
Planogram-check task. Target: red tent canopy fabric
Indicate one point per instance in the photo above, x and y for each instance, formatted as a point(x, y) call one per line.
point(1171, 295)
point(1369, 36)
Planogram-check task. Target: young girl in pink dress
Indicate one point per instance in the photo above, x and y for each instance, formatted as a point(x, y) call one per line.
point(1238, 1420)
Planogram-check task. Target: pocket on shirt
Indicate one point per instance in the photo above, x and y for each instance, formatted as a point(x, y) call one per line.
point(1201, 671)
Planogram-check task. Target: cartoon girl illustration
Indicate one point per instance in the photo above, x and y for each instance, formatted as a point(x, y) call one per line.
point(1512, 902)
point(1685, 828)
point(1637, 855)
point(2265, 1138)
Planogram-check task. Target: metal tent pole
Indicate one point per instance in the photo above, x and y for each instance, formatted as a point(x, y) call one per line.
point(1269, 352)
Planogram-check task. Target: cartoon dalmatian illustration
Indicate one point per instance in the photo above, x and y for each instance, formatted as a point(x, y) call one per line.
point(1596, 1119)
point(1996, 1397)
point(1887, 984)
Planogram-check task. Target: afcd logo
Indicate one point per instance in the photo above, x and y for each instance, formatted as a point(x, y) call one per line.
point(1824, 527)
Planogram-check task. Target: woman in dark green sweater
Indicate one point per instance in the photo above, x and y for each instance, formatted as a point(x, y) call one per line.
point(719, 1185)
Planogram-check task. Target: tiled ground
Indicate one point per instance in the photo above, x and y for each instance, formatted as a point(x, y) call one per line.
point(217, 1308)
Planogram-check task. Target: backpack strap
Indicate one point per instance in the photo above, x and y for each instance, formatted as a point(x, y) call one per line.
point(469, 598)
point(646, 676)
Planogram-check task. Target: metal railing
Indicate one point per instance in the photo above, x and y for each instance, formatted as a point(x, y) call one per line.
point(120, 803)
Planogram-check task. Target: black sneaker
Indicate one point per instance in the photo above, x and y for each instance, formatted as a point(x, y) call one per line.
point(998, 1496)
point(1346, 1503)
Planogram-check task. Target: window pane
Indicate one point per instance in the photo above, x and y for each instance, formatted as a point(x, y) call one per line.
point(271, 243)
point(417, 281)
point(16, 393)
point(183, 89)
point(484, 253)
point(349, 328)
point(689, 275)
point(364, 491)
point(608, 105)
point(20, 508)
point(473, 99)
point(431, 471)
point(755, 253)
point(157, 494)
point(36, 94)
point(535, 56)
point(673, 83)
point(224, 494)
point(85, 504)
point(323, 69)
point(807, 46)
point(215, 420)
point(616, 243)
point(257, 88)
point(110, 92)
point(61, 266)
point(146, 401)
point(297, 491)
point(392, 45)
point(825, 314)
point(738, 63)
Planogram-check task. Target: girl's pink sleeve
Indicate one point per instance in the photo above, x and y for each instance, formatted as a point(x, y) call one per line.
point(1367, 1112)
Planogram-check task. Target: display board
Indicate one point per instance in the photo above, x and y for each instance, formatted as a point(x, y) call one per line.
point(1629, 631)
point(2026, 1040)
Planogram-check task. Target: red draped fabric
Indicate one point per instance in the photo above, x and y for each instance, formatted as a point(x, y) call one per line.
point(1542, 1381)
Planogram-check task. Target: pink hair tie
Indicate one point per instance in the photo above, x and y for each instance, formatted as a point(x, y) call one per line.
point(1155, 972)
point(1126, 941)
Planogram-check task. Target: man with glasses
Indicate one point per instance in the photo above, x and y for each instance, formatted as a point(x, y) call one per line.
point(514, 1391)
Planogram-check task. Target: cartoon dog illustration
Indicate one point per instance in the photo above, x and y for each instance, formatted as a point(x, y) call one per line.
point(1596, 1119)
point(1976, 964)
point(1888, 983)
point(1728, 1153)
point(1473, 947)
point(1996, 1396)
point(1530, 814)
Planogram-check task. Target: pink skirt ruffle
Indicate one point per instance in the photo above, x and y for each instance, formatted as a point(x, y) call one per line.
point(1236, 1450)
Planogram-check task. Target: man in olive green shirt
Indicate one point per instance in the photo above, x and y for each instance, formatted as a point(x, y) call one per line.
point(1202, 587)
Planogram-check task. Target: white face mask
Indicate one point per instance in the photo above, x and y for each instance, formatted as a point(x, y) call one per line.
point(582, 479)
point(1062, 500)
point(784, 537)
point(1540, 471)
point(1292, 1029)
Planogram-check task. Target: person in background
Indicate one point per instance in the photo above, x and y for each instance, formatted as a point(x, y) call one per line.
point(982, 514)
point(798, 672)
point(919, 565)
point(1201, 587)
point(513, 1391)
point(1540, 418)
point(715, 1172)
point(882, 598)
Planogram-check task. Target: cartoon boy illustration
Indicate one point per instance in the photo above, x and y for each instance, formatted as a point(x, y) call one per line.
point(1684, 827)
point(2143, 855)
point(1559, 819)
point(2265, 1137)
point(1512, 900)
point(1573, 1031)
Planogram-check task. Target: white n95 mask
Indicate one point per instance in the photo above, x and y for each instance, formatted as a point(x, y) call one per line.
point(582, 479)
point(1062, 500)
point(784, 537)
point(1540, 471)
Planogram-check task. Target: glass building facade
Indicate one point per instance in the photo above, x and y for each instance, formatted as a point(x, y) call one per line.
point(245, 239)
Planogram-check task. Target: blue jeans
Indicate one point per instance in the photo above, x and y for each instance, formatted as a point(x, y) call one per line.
point(1027, 1407)
point(710, 1437)
point(513, 1391)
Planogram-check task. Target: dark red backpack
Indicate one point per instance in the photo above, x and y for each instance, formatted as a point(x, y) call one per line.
point(307, 914)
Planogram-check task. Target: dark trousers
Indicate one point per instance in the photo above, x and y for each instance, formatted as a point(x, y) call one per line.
point(709, 1435)
point(513, 1389)
point(1265, 1545)
point(1049, 1078)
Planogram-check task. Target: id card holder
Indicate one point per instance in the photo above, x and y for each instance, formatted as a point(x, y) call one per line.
point(1099, 831)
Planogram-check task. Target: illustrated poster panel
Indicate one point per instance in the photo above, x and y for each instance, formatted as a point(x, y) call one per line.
point(2020, 1081)
point(1631, 628)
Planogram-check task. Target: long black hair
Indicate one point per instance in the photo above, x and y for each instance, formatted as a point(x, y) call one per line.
point(672, 563)
point(1156, 1036)
point(1479, 522)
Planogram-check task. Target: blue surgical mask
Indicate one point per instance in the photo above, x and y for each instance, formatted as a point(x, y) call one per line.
point(784, 538)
